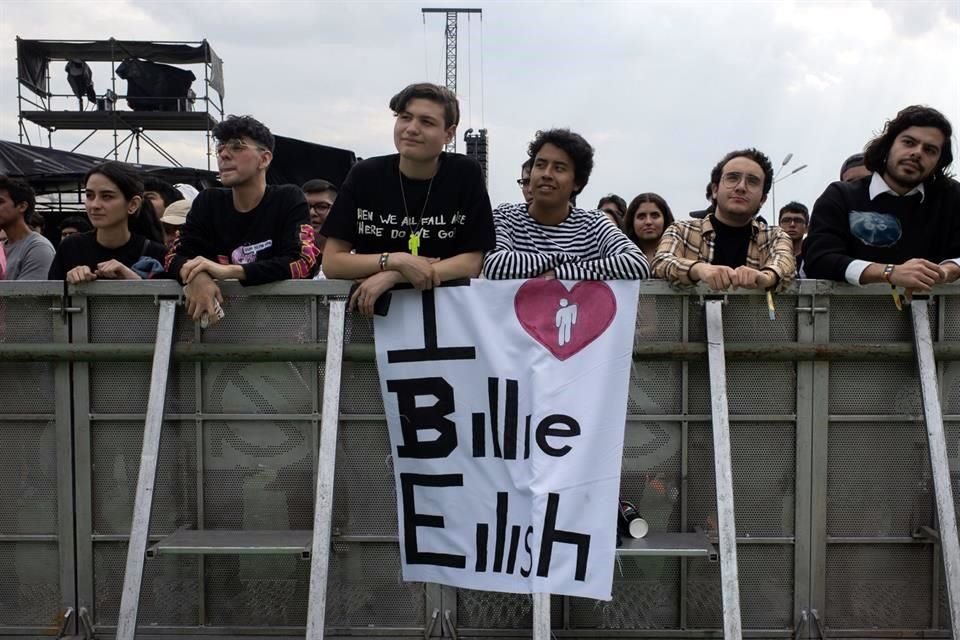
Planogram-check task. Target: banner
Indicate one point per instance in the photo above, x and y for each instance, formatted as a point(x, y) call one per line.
point(506, 403)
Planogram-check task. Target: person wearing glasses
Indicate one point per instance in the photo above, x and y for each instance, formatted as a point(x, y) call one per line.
point(730, 247)
point(320, 196)
point(248, 231)
point(794, 218)
point(524, 181)
point(614, 207)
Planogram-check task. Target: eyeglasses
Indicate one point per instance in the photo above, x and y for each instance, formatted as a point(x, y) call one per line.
point(320, 206)
point(733, 179)
point(235, 146)
point(792, 220)
point(523, 182)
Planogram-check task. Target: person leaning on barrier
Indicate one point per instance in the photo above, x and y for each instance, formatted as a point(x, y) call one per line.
point(28, 254)
point(113, 195)
point(249, 231)
point(420, 216)
point(794, 218)
point(902, 225)
point(730, 247)
point(553, 238)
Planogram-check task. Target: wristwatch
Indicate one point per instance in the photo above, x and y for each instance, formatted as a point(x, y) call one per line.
point(888, 272)
point(383, 260)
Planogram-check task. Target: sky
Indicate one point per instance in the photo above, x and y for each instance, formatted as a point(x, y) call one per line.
point(661, 90)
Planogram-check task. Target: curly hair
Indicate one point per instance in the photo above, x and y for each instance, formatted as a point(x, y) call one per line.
point(238, 126)
point(750, 154)
point(876, 152)
point(20, 192)
point(432, 92)
point(652, 198)
point(574, 145)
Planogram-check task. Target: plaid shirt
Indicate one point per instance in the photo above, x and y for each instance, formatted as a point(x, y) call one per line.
point(688, 242)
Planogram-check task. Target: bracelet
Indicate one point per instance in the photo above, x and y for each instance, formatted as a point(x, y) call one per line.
point(888, 272)
point(383, 260)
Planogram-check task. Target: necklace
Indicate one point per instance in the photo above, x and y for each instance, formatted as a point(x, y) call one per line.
point(413, 244)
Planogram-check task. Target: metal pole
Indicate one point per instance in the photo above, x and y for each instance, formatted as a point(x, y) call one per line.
point(541, 616)
point(323, 509)
point(722, 466)
point(939, 464)
point(136, 551)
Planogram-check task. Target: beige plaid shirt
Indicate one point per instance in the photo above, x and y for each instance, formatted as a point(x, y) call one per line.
point(688, 242)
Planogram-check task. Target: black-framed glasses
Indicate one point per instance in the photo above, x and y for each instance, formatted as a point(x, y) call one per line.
point(523, 182)
point(320, 207)
point(792, 220)
point(733, 179)
point(235, 146)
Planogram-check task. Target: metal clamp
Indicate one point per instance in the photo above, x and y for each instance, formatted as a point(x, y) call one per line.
point(448, 624)
point(67, 615)
point(86, 627)
point(816, 619)
point(433, 623)
point(804, 621)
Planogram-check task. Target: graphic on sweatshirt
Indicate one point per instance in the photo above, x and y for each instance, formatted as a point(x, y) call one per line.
point(875, 229)
point(247, 254)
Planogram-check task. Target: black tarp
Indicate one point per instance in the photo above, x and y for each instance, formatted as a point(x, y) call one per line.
point(155, 87)
point(296, 161)
point(33, 57)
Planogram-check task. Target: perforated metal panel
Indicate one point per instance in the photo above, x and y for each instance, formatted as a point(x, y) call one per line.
point(258, 387)
point(27, 320)
point(365, 500)
point(878, 586)
point(258, 475)
point(764, 478)
point(646, 595)
point(951, 318)
point(131, 319)
point(170, 594)
point(747, 319)
point(365, 588)
point(124, 387)
point(655, 388)
point(28, 478)
point(257, 591)
point(360, 389)
point(278, 319)
point(26, 387)
point(871, 319)
point(651, 473)
point(878, 388)
point(879, 481)
point(766, 588)
point(493, 610)
point(115, 465)
point(768, 388)
point(658, 319)
point(29, 583)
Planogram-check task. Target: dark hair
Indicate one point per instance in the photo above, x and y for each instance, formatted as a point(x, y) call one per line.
point(574, 145)
point(318, 185)
point(750, 154)
point(238, 126)
point(79, 223)
point(876, 152)
point(145, 221)
point(856, 160)
point(164, 188)
point(795, 207)
point(615, 199)
point(652, 198)
point(432, 92)
point(527, 165)
point(20, 192)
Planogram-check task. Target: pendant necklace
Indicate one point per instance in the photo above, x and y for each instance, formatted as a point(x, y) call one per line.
point(413, 244)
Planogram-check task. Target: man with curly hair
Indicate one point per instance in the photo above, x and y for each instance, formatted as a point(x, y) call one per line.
point(730, 247)
point(552, 238)
point(901, 225)
point(249, 231)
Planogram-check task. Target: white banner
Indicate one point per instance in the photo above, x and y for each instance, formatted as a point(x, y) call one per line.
point(506, 403)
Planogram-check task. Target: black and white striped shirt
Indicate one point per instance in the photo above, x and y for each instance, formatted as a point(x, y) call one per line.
point(585, 246)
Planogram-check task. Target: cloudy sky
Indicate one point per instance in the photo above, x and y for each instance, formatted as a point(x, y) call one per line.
point(661, 90)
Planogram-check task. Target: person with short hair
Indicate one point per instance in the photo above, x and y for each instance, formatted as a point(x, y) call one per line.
point(648, 216)
point(320, 195)
point(160, 194)
point(248, 231)
point(113, 194)
point(902, 225)
point(73, 224)
point(853, 168)
point(420, 216)
point(614, 207)
point(553, 238)
point(793, 219)
point(28, 254)
point(524, 180)
point(730, 247)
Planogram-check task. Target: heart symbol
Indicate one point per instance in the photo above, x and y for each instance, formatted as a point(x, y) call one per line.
point(565, 321)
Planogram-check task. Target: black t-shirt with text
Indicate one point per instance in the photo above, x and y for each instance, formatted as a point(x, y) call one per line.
point(369, 211)
point(82, 249)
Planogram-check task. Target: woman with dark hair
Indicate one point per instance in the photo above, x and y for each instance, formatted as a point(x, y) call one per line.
point(113, 195)
point(648, 216)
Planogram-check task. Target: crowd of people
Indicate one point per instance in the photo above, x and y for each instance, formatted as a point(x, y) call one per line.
point(423, 216)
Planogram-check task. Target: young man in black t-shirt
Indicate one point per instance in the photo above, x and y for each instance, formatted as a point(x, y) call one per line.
point(901, 223)
point(420, 216)
point(250, 232)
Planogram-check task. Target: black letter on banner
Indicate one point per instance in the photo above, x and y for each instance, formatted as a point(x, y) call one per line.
point(551, 535)
point(413, 418)
point(412, 519)
point(526, 545)
point(430, 351)
point(544, 430)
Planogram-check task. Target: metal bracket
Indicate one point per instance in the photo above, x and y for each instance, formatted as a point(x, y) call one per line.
point(86, 627)
point(433, 623)
point(67, 615)
point(704, 297)
point(447, 624)
point(804, 622)
point(813, 309)
point(816, 620)
point(927, 533)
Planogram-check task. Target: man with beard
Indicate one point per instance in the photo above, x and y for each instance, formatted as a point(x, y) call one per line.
point(902, 225)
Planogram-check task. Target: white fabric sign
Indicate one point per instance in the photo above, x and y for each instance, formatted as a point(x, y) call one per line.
point(506, 403)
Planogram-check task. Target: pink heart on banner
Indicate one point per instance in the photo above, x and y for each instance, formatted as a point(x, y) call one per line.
point(565, 321)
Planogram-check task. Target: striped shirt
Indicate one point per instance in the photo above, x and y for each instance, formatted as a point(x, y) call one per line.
point(585, 246)
point(687, 242)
